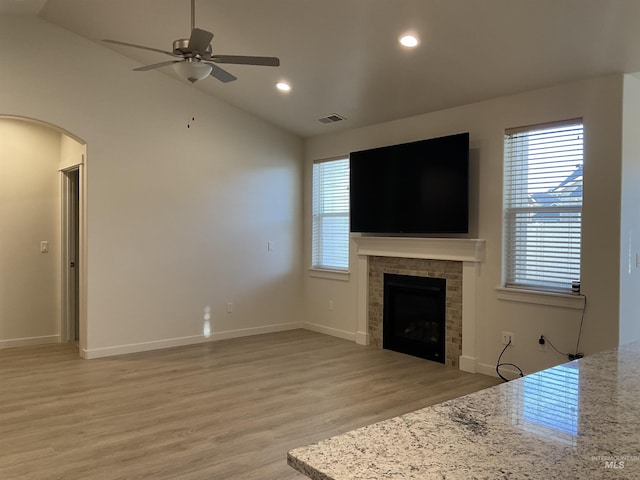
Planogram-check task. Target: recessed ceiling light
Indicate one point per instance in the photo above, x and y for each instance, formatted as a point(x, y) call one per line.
point(409, 41)
point(283, 86)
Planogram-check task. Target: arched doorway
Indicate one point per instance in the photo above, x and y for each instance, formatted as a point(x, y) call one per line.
point(42, 239)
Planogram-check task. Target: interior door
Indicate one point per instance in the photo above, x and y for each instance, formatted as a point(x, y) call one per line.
point(74, 237)
point(71, 254)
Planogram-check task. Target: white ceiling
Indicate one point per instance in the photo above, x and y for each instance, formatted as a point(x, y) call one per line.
point(342, 56)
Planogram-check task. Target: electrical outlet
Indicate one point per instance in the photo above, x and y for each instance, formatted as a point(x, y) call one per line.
point(542, 344)
point(506, 337)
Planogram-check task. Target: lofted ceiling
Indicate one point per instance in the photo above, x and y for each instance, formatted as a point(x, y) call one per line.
point(343, 56)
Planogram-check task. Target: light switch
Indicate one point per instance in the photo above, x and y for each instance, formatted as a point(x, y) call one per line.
point(44, 246)
point(270, 246)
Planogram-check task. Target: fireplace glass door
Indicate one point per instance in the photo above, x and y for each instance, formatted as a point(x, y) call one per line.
point(414, 316)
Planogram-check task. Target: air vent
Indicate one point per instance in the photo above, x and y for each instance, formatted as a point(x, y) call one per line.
point(333, 118)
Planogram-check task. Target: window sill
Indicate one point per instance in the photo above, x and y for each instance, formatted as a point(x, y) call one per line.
point(329, 274)
point(564, 300)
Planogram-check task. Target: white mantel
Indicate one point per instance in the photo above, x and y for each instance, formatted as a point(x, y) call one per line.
point(469, 251)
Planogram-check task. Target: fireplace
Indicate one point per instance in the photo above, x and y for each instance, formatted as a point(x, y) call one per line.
point(448, 271)
point(414, 318)
point(458, 260)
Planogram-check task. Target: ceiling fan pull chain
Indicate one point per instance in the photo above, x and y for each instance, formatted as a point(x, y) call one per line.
point(193, 14)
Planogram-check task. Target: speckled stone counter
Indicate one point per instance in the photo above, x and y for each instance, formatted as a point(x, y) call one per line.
point(580, 420)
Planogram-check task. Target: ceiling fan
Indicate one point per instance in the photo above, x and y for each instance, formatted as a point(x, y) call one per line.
point(196, 58)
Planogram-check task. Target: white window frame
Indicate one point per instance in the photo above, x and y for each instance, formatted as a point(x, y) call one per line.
point(330, 202)
point(528, 243)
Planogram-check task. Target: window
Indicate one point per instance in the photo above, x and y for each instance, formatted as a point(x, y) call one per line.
point(330, 210)
point(543, 206)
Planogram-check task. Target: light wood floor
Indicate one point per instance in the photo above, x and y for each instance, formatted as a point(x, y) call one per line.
point(223, 410)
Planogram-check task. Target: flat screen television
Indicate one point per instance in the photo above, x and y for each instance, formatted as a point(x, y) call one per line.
point(419, 187)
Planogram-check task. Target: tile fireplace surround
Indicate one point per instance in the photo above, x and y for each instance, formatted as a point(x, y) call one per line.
point(469, 255)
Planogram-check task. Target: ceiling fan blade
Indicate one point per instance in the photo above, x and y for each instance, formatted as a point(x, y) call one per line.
point(199, 40)
point(155, 65)
point(117, 42)
point(245, 60)
point(221, 74)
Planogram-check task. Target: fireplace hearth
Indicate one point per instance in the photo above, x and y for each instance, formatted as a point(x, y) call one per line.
point(414, 316)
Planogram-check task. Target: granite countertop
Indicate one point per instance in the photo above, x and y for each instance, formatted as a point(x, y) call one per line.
point(579, 420)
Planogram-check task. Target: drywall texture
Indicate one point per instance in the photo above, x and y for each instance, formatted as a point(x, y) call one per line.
point(29, 212)
point(599, 102)
point(183, 194)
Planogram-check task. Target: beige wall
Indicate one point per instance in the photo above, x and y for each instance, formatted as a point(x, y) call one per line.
point(599, 102)
point(178, 218)
point(29, 213)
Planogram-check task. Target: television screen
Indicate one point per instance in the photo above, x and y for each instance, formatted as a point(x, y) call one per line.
point(418, 187)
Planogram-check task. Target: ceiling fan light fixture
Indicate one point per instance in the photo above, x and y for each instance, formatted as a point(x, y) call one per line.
point(192, 70)
point(197, 56)
point(409, 41)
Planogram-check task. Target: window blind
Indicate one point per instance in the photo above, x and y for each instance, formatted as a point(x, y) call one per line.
point(543, 205)
point(330, 211)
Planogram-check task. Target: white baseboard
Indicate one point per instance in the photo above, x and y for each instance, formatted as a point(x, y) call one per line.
point(468, 364)
point(182, 341)
point(486, 369)
point(26, 342)
point(247, 332)
point(334, 332)
point(142, 347)
point(362, 338)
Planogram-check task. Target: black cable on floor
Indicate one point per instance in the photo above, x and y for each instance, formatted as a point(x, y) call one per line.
point(498, 364)
point(553, 346)
point(584, 309)
point(577, 354)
